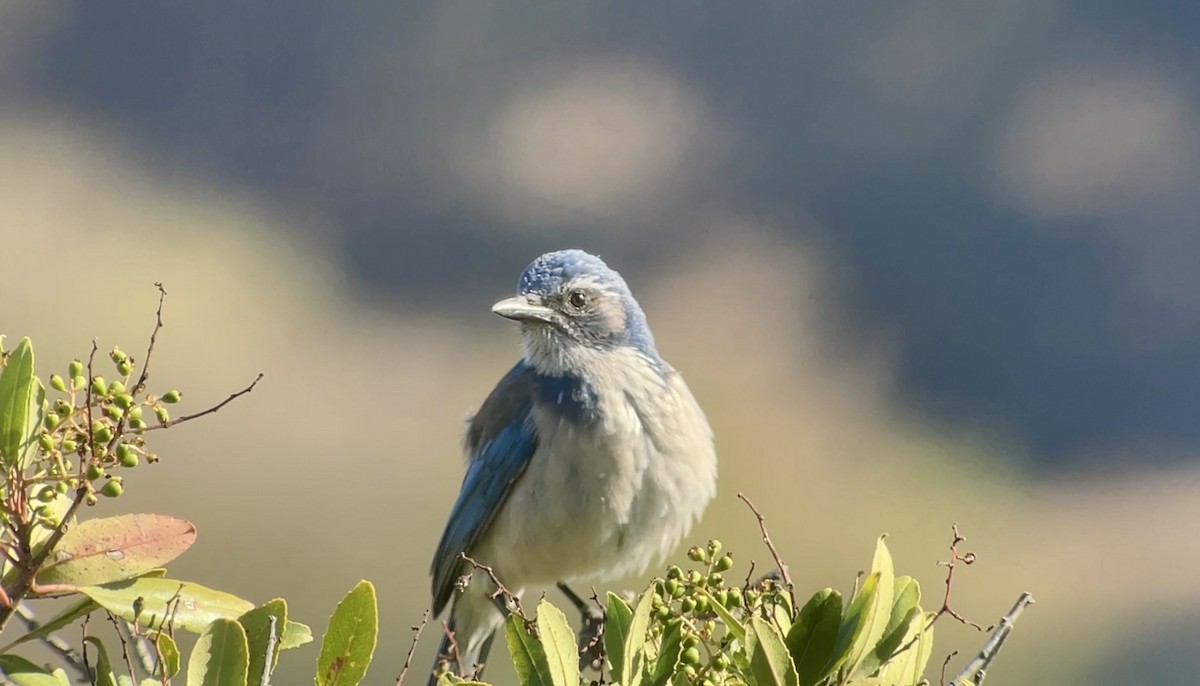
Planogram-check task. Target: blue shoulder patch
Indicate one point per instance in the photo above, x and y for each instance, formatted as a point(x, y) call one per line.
point(570, 396)
point(500, 441)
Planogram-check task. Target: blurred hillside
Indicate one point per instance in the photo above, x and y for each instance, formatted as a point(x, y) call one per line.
point(919, 266)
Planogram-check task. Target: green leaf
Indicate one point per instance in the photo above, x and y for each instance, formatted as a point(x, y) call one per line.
point(862, 608)
point(867, 617)
point(22, 672)
point(562, 656)
point(731, 623)
point(259, 632)
point(295, 635)
point(770, 662)
point(220, 656)
point(907, 667)
point(70, 614)
point(169, 653)
point(17, 403)
point(528, 656)
point(188, 606)
point(635, 643)
point(617, 618)
point(104, 672)
point(905, 609)
point(99, 551)
point(670, 648)
point(349, 641)
point(814, 634)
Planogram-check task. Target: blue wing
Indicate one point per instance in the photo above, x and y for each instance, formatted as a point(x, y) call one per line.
point(500, 441)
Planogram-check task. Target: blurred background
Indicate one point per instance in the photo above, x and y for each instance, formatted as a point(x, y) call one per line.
point(921, 263)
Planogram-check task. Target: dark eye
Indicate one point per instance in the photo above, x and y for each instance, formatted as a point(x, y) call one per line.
point(577, 299)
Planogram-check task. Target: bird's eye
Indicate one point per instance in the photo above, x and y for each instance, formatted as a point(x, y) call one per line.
point(577, 299)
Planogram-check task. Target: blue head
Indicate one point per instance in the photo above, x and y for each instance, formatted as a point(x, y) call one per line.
point(570, 301)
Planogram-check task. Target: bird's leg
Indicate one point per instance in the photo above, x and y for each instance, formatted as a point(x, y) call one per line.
point(591, 648)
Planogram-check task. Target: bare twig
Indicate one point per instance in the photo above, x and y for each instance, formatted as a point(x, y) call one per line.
point(124, 646)
point(214, 408)
point(946, 663)
point(783, 570)
point(416, 629)
point(272, 638)
point(955, 558)
point(975, 670)
point(501, 590)
point(158, 325)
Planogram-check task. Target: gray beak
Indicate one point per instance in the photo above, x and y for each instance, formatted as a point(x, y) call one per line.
point(520, 309)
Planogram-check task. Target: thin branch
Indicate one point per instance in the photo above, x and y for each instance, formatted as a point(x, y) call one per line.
point(946, 663)
point(501, 589)
point(272, 638)
point(158, 325)
point(211, 410)
point(124, 646)
point(976, 669)
point(416, 629)
point(783, 570)
point(945, 609)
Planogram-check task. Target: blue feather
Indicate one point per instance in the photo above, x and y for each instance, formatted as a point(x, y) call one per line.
point(500, 441)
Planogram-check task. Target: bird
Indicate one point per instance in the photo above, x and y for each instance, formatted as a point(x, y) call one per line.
point(590, 460)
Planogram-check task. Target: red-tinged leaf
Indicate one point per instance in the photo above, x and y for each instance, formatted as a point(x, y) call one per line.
point(100, 551)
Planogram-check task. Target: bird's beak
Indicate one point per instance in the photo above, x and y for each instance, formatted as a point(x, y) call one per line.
point(521, 309)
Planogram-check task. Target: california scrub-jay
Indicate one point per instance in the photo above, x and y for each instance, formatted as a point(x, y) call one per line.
point(590, 459)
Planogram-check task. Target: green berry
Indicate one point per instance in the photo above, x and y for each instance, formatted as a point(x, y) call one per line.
point(695, 577)
point(126, 456)
point(722, 597)
point(117, 355)
point(172, 396)
point(714, 547)
point(112, 489)
point(75, 368)
point(136, 423)
point(720, 662)
point(162, 414)
point(98, 386)
point(735, 598)
point(45, 442)
point(94, 472)
point(688, 671)
point(124, 368)
point(47, 494)
point(52, 421)
point(663, 613)
point(135, 412)
point(44, 512)
point(116, 387)
point(691, 656)
point(697, 554)
point(672, 588)
point(68, 445)
point(57, 383)
point(725, 563)
point(687, 605)
point(674, 572)
point(78, 382)
point(103, 434)
point(701, 605)
point(716, 580)
point(114, 413)
point(91, 499)
point(689, 640)
point(62, 487)
point(123, 401)
point(63, 408)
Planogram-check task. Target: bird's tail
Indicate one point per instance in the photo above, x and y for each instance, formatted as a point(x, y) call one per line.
point(464, 665)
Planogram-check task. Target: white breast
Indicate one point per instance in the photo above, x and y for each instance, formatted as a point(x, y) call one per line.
point(612, 499)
